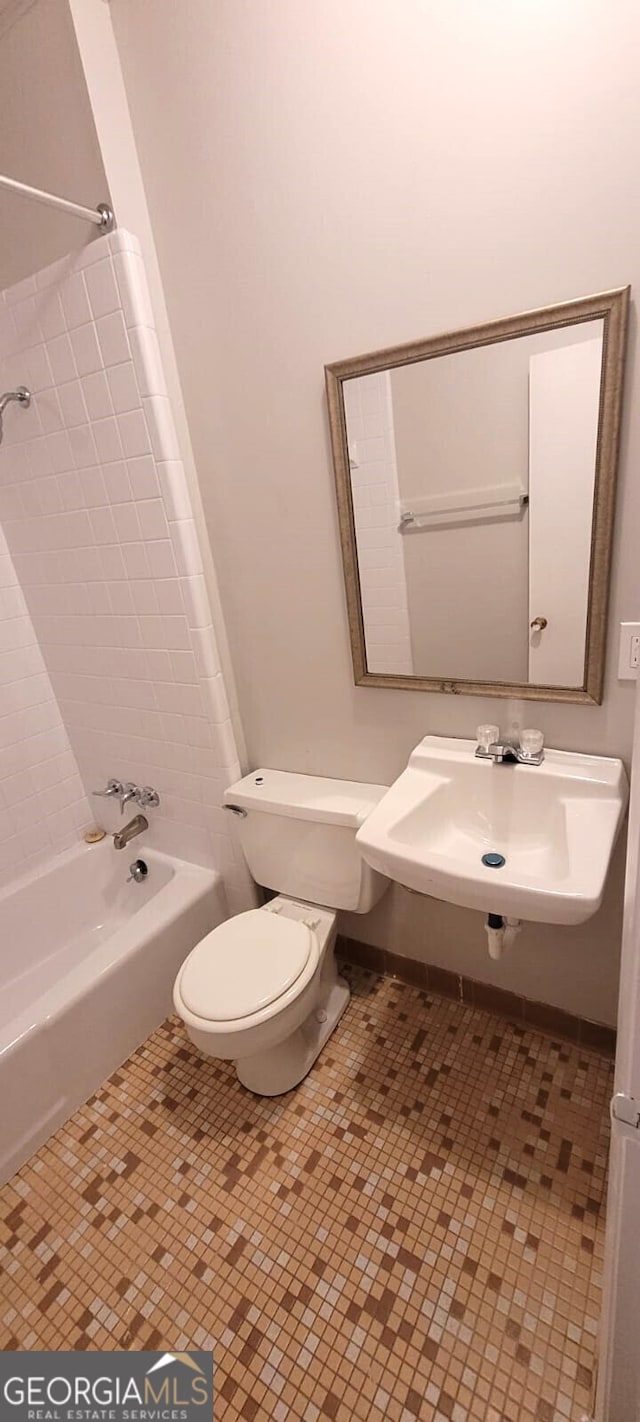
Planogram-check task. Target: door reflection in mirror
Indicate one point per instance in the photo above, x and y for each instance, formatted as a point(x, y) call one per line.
point(472, 480)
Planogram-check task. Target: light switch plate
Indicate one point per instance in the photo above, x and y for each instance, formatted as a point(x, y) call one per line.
point(629, 651)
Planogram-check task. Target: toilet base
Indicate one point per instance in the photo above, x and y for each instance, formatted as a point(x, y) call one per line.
point(280, 1068)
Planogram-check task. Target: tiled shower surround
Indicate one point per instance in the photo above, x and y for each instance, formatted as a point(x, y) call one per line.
point(97, 517)
point(415, 1233)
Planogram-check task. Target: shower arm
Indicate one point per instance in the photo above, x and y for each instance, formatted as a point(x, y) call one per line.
point(22, 395)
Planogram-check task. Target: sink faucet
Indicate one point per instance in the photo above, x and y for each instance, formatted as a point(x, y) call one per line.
point(528, 751)
point(500, 751)
point(135, 826)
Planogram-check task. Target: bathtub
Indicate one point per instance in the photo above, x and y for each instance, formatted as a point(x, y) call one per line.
point(87, 963)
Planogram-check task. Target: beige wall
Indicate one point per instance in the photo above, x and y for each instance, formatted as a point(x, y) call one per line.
point(47, 137)
point(327, 179)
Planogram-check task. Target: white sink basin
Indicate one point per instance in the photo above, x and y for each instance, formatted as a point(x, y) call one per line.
point(555, 824)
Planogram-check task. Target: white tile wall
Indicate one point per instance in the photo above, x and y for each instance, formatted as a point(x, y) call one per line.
point(97, 516)
point(376, 497)
point(42, 800)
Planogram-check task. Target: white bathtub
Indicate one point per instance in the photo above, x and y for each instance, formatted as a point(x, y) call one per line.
point(87, 963)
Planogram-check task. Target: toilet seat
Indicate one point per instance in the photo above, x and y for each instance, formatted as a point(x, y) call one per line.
point(244, 966)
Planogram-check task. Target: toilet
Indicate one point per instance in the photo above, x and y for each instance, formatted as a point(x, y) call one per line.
point(263, 990)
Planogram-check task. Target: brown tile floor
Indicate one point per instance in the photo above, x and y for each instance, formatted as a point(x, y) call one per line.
point(416, 1232)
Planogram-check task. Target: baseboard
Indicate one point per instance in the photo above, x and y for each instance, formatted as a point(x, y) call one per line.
point(442, 982)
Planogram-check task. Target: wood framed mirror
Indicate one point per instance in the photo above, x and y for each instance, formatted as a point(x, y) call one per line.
point(475, 477)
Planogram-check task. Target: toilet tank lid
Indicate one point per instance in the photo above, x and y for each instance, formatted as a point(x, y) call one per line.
point(305, 797)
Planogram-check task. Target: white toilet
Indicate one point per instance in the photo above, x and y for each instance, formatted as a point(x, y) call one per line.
point(262, 990)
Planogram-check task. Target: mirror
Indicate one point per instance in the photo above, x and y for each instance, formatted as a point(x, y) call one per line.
point(475, 475)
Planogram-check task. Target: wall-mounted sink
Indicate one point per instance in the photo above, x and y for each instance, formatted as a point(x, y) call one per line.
point(553, 824)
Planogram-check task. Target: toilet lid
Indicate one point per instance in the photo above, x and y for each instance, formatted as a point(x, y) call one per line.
point(245, 964)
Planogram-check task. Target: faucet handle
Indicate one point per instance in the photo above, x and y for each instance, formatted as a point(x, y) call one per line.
point(487, 736)
point(531, 742)
point(114, 787)
point(148, 797)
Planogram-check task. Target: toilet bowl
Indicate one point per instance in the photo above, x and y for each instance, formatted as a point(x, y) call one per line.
point(263, 990)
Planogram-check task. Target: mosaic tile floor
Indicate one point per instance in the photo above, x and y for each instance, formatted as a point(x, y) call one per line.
point(416, 1232)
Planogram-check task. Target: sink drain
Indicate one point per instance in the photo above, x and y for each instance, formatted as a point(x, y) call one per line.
point(493, 860)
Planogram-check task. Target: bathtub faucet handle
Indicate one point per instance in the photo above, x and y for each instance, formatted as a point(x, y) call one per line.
point(114, 788)
point(148, 797)
point(144, 795)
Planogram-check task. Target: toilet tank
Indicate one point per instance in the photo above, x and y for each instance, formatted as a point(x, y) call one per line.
point(298, 836)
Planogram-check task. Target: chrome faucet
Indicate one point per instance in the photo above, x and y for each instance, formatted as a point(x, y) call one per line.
point(144, 795)
point(499, 751)
point(137, 825)
point(508, 752)
point(114, 790)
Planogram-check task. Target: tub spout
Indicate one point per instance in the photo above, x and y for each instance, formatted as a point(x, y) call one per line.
point(135, 826)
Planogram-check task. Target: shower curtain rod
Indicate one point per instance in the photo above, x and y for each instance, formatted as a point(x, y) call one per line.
point(102, 215)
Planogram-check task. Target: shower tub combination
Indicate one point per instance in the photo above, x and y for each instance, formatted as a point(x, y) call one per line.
point(87, 963)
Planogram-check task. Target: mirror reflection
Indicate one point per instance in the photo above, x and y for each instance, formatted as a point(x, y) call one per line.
point(473, 479)
point(474, 474)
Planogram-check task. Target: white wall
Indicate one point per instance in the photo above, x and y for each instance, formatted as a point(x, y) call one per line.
point(47, 136)
point(328, 179)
